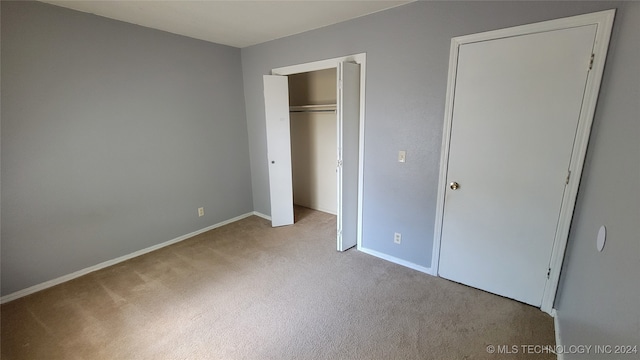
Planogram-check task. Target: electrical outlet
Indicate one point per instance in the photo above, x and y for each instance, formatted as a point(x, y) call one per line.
point(397, 238)
point(402, 156)
point(201, 211)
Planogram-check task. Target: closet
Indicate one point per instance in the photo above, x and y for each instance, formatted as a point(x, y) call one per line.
point(313, 143)
point(313, 124)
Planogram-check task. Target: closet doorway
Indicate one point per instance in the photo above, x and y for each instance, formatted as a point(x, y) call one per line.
point(314, 122)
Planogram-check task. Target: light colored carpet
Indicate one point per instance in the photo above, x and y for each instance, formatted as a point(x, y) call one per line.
point(249, 291)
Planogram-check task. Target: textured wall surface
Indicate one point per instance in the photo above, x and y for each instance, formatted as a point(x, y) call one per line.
point(112, 136)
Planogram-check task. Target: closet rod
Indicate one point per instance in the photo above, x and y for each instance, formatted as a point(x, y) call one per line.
point(312, 111)
point(313, 108)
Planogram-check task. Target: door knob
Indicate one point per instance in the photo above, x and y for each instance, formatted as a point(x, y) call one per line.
point(454, 185)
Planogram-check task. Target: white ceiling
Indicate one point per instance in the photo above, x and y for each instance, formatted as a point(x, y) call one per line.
point(237, 23)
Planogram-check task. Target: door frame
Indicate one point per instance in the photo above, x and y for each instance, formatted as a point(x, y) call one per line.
point(360, 59)
point(604, 22)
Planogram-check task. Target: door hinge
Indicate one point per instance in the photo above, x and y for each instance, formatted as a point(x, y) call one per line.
point(568, 177)
point(591, 61)
point(339, 163)
point(548, 273)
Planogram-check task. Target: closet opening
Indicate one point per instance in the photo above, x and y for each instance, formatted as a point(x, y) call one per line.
point(313, 129)
point(314, 116)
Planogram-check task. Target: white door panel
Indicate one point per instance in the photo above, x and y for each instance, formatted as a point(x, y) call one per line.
point(516, 108)
point(348, 153)
point(276, 99)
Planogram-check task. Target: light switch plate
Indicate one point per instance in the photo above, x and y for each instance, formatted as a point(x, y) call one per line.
point(402, 156)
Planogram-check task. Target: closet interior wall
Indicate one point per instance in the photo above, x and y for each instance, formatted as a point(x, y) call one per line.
point(314, 140)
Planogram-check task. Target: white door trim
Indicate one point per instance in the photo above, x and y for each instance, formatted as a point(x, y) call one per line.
point(604, 22)
point(330, 64)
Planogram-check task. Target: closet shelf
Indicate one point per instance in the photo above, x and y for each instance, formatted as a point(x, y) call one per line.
point(313, 108)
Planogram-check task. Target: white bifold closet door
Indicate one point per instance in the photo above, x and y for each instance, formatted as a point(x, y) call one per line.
point(276, 108)
point(348, 153)
point(276, 95)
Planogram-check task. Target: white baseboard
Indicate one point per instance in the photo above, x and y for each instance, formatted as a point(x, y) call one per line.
point(65, 278)
point(556, 329)
point(259, 214)
point(396, 260)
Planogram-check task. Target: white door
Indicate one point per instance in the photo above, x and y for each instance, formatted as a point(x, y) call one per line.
point(348, 109)
point(276, 107)
point(517, 101)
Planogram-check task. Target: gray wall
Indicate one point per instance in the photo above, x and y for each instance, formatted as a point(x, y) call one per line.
point(112, 136)
point(599, 299)
point(407, 62)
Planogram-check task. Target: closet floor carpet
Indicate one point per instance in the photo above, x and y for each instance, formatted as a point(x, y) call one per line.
point(249, 291)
